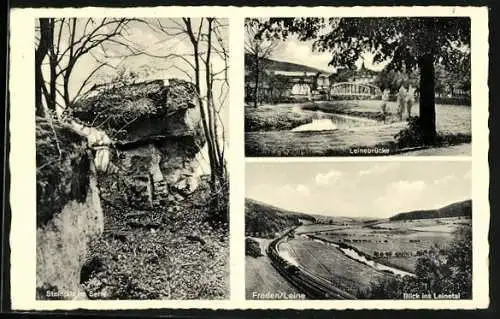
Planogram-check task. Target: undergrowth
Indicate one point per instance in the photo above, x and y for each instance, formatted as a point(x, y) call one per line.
point(175, 251)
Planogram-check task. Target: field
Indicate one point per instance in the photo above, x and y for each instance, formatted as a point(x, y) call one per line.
point(449, 118)
point(317, 228)
point(273, 137)
point(262, 277)
point(328, 262)
point(355, 255)
point(405, 241)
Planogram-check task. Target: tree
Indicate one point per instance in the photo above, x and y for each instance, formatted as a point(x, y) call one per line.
point(64, 42)
point(449, 80)
point(409, 42)
point(207, 39)
point(440, 271)
point(44, 43)
point(393, 79)
point(278, 85)
point(258, 50)
point(343, 75)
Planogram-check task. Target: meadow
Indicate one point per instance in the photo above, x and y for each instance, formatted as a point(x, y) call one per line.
point(330, 263)
point(268, 128)
point(399, 243)
point(317, 228)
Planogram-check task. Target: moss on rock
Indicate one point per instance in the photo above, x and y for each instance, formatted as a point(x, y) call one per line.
point(69, 213)
point(132, 112)
point(63, 167)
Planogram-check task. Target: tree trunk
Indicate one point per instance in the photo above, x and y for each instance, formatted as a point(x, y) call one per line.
point(427, 100)
point(256, 90)
point(40, 53)
point(53, 77)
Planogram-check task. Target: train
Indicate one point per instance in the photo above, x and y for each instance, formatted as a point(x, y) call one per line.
point(311, 285)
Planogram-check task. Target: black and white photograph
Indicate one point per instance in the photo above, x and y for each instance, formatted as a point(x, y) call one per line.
point(357, 86)
point(359, 230)
point(205, 158)
point(131, 181)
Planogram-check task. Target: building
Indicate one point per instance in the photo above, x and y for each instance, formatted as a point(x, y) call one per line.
point(363, 75)
point(285, 81)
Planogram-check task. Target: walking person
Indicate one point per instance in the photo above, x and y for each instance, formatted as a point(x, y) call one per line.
point(385, 99)
point(401, 101)
point(410, 99)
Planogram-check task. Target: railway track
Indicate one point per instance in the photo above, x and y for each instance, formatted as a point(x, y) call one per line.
point(312, 285)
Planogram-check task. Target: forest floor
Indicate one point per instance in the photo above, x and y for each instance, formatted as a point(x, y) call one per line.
point(172, 252)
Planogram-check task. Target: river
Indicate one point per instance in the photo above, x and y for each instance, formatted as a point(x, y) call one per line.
point(328, 122)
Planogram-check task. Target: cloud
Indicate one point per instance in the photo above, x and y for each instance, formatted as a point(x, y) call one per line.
point(304, 190)
point(328, 178)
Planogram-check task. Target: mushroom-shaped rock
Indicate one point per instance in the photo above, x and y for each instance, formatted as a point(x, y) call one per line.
point(132, 112)
point(156, 131)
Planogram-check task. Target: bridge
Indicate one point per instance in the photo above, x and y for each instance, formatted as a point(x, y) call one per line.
point(346, 89)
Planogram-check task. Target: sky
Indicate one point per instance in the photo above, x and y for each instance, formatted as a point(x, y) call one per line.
point(295, 51)
point(359, 189)
point(148, 39)
point(145, 38)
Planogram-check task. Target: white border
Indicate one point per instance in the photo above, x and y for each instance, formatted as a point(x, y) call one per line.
point(22, 156)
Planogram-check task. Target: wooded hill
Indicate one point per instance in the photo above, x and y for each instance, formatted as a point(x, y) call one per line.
point(267, 219)
point(275, 65)
point(459, 209)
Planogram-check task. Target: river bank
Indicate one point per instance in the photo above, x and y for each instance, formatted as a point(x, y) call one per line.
point(345, 129)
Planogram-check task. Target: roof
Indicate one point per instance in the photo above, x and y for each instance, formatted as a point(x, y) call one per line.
point(294, 73)
point(276, 65)
point(363, 70)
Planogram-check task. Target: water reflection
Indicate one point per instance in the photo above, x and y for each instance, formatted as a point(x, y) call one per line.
point(317, 125)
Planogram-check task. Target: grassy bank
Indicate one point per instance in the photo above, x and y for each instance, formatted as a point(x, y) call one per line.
point(344, 108)
point(268, 130)
point(348, 143)
point(274, 118)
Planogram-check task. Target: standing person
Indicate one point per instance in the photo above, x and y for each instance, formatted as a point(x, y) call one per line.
point(410, 99)
point(385, 99)
point(309, 93)
point(401, 101)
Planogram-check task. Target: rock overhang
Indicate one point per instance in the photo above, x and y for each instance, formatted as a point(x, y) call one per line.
point(130, 113)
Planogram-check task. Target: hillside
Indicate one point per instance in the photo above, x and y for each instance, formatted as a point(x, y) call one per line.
point(458, 209)
point(267, 219)
point(284, 66)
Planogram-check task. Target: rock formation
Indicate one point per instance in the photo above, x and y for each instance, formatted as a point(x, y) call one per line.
point(69, 211)
point(138, 145)
point(157, 139)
